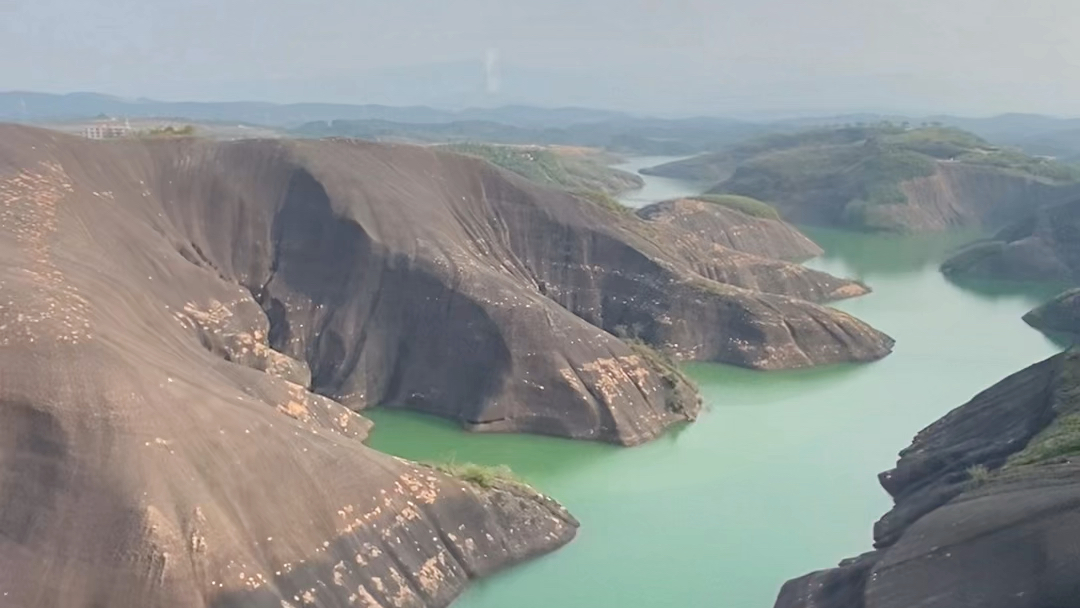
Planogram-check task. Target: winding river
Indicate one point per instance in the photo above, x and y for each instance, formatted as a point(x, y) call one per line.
point(778, 477)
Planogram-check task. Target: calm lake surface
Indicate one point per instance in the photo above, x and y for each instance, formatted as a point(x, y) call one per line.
point(657, 188)
point(778, 476)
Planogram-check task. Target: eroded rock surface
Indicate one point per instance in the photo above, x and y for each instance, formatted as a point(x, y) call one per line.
point(987, 508)
point(189, 328)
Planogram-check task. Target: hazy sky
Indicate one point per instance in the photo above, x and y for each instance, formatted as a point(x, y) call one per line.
point(703, 56)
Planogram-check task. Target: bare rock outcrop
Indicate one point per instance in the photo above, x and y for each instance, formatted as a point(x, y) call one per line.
point(189, 330)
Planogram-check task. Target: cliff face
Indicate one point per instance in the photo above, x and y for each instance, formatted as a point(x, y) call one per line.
point(961, 195)
point(1043, 246)
point(987, 507)
point(188, 328)
point(954, 195)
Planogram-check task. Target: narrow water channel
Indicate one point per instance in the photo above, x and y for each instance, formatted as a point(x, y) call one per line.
point(656, 188)
point(777, 478)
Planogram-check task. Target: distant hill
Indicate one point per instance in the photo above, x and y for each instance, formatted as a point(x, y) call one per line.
point(1032, 133)
point(647, 136)
point(40, 107)
point(884, 177)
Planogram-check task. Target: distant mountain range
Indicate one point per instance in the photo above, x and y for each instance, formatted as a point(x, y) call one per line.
point(1035, 134)
point(642, 136)
point(39, 107)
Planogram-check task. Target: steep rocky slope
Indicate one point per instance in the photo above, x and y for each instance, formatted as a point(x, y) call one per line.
point(1043, 246)
point(731, 229)
point(155, 451)
point(187, 329)
point(987, 508)
point(733, 248)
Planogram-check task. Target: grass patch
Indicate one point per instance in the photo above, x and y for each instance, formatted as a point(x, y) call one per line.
point(169, 131)
point(744, 204)
point(477, 474)
point(605, 200)
point(978, 475)
point(571, 170)
point(1062, 436)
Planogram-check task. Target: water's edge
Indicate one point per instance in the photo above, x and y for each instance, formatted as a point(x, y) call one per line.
point(777, 478)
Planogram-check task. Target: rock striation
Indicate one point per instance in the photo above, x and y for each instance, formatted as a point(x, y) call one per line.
point(188, 330)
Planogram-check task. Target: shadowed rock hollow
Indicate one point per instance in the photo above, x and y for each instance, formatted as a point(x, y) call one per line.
point(987, 508)
point(187, 329)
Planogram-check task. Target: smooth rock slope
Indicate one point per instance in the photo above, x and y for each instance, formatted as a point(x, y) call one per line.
point(733, 229)
point(187, 329)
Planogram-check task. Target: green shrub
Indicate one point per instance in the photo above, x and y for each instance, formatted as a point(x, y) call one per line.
point(603, 199)
point(745, 204)
point(668, 370)
point(478, 474)
point(978, 475)
point(169, 131)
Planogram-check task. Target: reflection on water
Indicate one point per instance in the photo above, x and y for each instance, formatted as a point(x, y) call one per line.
point(870, 255)
point(988, 288)
point(778, 476)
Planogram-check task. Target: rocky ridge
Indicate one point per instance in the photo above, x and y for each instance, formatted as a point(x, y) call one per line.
point(188, 330)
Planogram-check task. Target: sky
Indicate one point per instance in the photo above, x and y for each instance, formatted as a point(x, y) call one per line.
point(719, 57)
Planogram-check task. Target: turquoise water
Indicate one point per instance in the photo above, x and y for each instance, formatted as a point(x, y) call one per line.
point(778, 476)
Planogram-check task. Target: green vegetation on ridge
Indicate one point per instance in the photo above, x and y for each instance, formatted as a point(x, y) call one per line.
point(569, 169)
point(745, 204)
point(1062, 436)
point(477, 474)
point(851, 175)
point(169, 131)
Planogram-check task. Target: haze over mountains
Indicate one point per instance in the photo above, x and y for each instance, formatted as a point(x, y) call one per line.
point(1034, 133)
